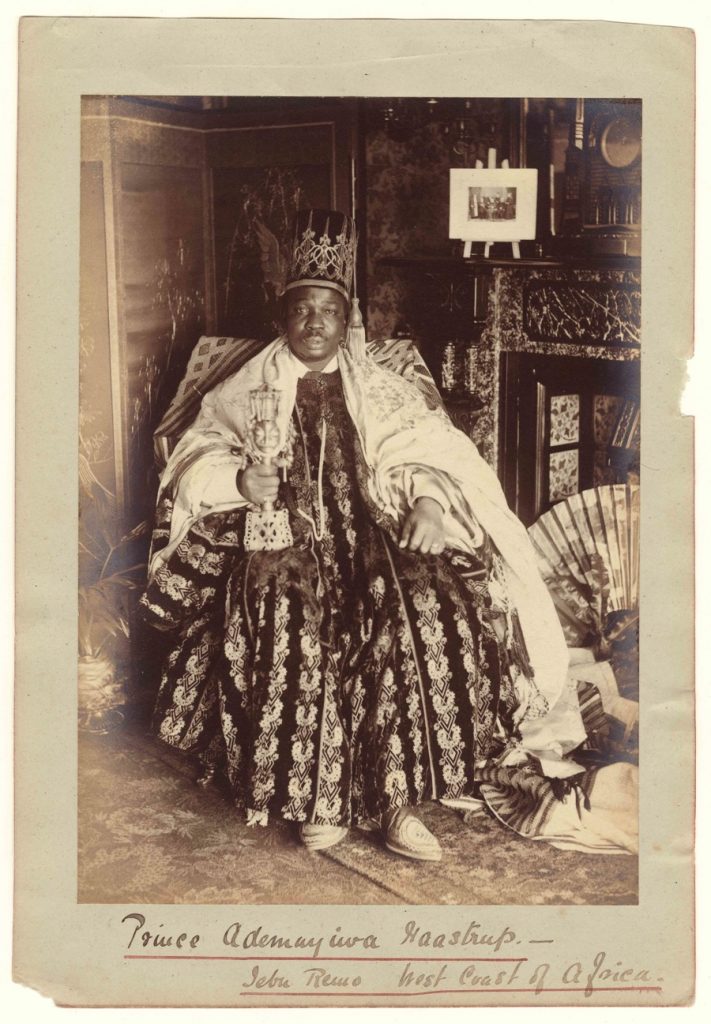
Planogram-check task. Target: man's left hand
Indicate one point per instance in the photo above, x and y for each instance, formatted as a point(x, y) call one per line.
point(423, 529)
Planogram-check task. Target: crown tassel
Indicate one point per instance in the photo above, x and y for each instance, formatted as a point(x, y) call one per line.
point(355, 336)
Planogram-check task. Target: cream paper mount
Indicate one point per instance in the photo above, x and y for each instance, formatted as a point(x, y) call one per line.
point(400, 952)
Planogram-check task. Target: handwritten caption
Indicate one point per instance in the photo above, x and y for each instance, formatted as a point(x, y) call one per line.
point(473, 958)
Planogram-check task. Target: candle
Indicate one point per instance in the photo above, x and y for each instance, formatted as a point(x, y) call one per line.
point(448, 367)
point(470, 370)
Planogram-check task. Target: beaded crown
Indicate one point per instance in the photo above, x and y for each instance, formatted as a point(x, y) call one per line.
point(323, 251)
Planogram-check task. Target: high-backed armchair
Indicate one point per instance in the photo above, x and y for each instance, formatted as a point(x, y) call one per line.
point(215, 358)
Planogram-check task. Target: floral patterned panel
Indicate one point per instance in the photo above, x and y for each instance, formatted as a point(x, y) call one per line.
point(563, 474)
point(565, 419)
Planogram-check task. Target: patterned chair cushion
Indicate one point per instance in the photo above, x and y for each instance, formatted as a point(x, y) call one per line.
point(402, 356)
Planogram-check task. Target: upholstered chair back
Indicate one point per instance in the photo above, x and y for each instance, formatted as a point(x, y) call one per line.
point(214, 359)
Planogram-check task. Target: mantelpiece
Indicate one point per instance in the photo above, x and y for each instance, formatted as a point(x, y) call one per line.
point(448, 299)
point(477, 264)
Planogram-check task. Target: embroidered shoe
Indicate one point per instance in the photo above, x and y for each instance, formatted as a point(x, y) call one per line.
point(405, 834)
point(321, 837)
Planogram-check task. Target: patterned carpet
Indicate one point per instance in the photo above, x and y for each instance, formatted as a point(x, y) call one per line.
point(148, 834)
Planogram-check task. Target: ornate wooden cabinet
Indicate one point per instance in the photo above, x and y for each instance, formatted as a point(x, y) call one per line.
point(555, 347)
point(560, 417)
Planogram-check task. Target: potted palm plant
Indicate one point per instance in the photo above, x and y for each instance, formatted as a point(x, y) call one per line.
point(109, 579)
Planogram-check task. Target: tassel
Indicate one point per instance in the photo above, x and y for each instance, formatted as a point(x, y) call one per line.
point(355, 336)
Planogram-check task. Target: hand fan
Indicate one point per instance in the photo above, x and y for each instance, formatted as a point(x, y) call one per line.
point(588, 555)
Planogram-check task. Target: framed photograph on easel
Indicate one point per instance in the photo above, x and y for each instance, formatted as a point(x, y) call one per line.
point(492, 204)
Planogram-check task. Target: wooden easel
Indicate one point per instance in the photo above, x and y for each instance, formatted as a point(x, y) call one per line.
point(515, 246)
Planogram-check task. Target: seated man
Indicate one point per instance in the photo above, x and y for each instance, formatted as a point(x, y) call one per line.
point(397, 638)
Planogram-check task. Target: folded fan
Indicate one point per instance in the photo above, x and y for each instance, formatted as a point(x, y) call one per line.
point(588, 552)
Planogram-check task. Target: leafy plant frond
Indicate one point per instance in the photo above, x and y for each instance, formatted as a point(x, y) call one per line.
point(105, 601)
point(87, 551)
point(88, 478)
point(137, 531)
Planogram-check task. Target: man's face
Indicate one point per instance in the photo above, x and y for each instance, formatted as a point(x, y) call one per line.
point(315, 324)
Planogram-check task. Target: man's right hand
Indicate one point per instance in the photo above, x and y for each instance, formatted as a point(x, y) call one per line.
point(258, 483)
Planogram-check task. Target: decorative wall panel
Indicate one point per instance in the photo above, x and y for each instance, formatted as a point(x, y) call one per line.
point(407, 200)
point(508, 323)
point(96, 422)
point(584, 312)
point(254, 209)
point(162, 275)
point(293, 156)
point(96, 412)
point(563, 473)
point(564, 419)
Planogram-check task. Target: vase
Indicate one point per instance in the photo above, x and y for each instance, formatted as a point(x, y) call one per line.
point(101, 695)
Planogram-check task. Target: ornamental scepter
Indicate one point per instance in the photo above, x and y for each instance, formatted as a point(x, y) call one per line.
point(268, 529)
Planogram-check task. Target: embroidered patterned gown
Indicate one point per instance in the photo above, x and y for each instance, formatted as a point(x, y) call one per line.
point(342, 676)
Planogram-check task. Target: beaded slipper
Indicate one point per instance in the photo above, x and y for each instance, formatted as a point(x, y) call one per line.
point(320, 837)
point(405, 834)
